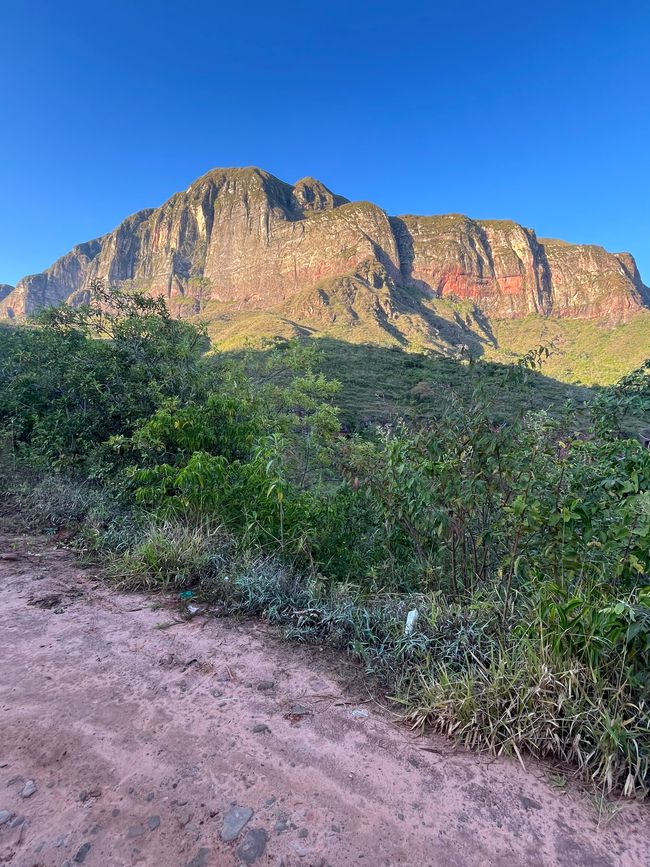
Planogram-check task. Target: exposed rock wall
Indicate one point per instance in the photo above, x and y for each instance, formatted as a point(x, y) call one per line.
point(243, 236)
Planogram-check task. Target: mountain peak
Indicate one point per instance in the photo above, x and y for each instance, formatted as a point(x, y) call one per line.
point(312, 195)
point(243, 237)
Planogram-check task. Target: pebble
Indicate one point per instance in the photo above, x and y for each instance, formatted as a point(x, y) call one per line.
point(17, 822)
point(261, 729)
point(86, 796)
point(234, 821)
point(302, 833)
point(5, 815)
point(299, 710)
point(281, 827)
point(266, 684)
point(359, 714)
point(529, 803)
point(200, 859)
point(150, 796)
point(153, 822)
point(185, 817)
point(135, 831)
point(80, 857)
point(253, 845)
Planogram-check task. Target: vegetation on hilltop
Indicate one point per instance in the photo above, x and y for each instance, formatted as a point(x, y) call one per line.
point(519, 538)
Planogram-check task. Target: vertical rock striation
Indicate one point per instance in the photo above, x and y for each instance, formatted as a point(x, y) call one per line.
point(244, 237)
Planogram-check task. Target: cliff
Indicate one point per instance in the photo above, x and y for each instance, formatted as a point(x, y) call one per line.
point(243, 237)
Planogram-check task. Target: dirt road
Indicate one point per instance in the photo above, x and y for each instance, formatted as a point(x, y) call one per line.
point(214, 743)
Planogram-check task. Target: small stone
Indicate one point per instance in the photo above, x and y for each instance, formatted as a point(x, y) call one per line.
point(150, 797)
point(302, 833)
point(5, 815)
point(359, 713)
point(270, 801)
point(299, 710)
point(281, 827)
point(200, 859)
point(153, 822)
point(184, 818)
point(115, 812)
point(266, 684)
point(135, 831)
point(253, 845)
point(86, 796)
point(261, 729)
point(234, 821)
point(9, 555)
point(216, 693)
point(80, 857)
point(28, 789)
point(16, 822)
point(529, 803)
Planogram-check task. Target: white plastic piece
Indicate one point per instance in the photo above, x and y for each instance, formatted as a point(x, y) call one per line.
point(411, 620)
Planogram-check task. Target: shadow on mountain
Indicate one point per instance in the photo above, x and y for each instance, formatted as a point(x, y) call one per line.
point(380, 384)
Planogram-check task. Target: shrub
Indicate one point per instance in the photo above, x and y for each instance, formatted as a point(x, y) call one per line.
point(171, 556)
point(523, 544)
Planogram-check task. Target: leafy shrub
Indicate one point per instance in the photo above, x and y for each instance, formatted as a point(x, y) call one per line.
point(522, 543)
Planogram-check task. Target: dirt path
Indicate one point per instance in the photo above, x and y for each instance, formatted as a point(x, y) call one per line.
point(139, 742)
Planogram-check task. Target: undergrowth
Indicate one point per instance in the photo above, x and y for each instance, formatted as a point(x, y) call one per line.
point(490, 570)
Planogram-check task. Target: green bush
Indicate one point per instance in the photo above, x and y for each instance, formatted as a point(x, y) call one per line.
point(523, 543)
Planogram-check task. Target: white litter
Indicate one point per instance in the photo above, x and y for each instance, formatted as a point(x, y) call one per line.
point(411, 620)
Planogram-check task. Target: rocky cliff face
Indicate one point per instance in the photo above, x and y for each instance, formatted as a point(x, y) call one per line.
point(5, 289)
point(245, 237)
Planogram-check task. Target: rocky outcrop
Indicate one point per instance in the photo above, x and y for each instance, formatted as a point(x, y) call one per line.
point(498, 265)
point(5, 289)
point(244, 237)
point(590, 283)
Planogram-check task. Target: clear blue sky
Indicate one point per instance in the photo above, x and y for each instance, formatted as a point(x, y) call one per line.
point(536, 112)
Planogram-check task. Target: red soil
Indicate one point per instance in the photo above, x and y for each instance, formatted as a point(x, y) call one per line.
point(122, 724)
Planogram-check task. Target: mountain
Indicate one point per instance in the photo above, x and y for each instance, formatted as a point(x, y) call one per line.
point(252, 254)
point(5, 290)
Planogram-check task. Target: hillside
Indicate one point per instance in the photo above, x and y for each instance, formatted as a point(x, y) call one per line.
point(254, 257)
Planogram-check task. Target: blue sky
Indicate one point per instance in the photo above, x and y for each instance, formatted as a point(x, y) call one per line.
point(535, 112)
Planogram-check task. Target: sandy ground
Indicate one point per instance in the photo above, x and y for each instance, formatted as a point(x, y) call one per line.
point(149, 745)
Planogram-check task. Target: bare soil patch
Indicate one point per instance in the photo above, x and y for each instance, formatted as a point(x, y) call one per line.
point(212, 742)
